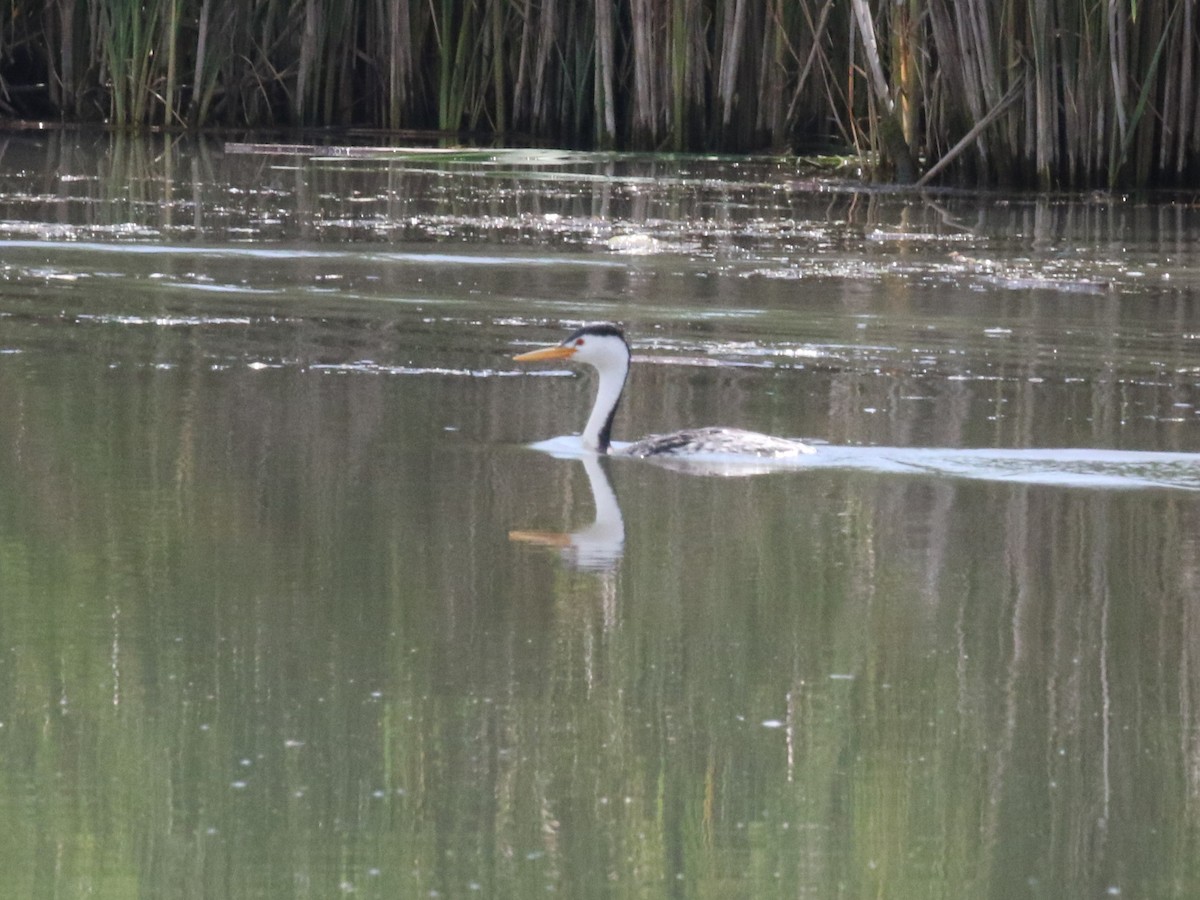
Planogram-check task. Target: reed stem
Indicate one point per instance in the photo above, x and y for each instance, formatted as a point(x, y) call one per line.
point(1108, 96)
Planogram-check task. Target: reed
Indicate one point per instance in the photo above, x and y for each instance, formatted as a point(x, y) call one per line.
point(1048, 93)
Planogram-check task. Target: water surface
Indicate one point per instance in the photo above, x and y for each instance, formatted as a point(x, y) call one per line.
point(289, 607)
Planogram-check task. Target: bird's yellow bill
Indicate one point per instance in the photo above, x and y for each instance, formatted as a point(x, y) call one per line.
point(541, 538)
point(558, 351)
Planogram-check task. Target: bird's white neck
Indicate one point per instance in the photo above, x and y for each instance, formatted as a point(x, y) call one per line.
point(598, 431)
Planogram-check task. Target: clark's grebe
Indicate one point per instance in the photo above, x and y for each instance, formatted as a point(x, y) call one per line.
point(603, 347)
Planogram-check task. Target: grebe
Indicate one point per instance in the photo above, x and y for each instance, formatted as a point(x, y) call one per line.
point(604, 348)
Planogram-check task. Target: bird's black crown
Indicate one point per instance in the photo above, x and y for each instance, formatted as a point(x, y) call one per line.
point(598, 329)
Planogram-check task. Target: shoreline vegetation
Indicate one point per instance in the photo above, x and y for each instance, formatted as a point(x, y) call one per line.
point(1021, 93)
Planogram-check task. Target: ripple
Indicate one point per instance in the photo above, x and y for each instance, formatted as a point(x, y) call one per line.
point(1060, 467)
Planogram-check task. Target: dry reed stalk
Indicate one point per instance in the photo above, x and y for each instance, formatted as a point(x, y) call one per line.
point(1140, 135)
point(866, 31)
point(731, 50)
point(816, 47)
point(890, 131)
point(197, 106)
point(643, 131)
point(170, 99)
point(1187, 87)
point(499, 82)
point(972, 72)
point(1044, 99)
point(769, 112)
point(66, 84)
point(606, 116)
point(1118, 55)
point(833, 100)
point(306, 61)
point(54, 62)
point(1014, 92)
point(908, 60)
point(1109, 85)
point(336, 94)
point(521, 85)
point(852, 69)
point(399, 61)
point(546, 51)
point(1013, 65)
point(679, 112)
point(1177, 113)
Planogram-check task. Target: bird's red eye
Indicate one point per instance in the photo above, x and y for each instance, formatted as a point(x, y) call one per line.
point(579, 342)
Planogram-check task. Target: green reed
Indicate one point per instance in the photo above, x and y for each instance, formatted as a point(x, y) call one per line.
point(1048, 93)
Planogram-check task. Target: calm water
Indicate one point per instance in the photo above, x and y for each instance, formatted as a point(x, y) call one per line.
point(289, 607)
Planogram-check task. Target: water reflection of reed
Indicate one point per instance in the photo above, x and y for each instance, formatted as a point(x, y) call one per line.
point(263, 626)
point(260, 628)
point(191, 186)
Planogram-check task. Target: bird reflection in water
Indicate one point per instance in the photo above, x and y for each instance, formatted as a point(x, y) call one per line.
point(599, 546)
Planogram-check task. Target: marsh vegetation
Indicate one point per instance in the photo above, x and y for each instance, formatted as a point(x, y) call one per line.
point(1048, 93)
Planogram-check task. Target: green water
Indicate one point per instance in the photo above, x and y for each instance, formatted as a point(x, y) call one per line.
point(289, 609)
